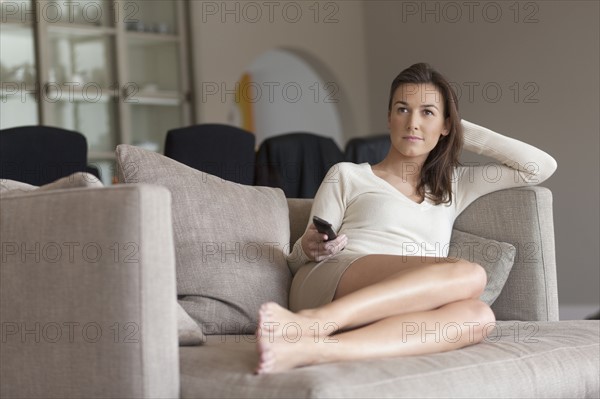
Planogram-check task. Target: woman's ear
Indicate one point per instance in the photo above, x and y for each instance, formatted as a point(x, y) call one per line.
point(389, 120)
point(446, 129)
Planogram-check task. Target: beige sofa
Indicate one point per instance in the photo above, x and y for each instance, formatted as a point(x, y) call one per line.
point(88, 309)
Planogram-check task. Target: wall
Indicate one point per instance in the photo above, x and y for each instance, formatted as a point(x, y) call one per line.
point(534, 72)
point(525, 69)
point(298, 110)
point(228, 36)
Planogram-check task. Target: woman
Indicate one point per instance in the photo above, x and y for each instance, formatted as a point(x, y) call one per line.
point(385, 294)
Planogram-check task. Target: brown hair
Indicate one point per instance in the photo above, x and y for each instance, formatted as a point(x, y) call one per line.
point(437, 170)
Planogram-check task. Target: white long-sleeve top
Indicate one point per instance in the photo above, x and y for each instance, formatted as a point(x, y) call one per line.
point(379, 219)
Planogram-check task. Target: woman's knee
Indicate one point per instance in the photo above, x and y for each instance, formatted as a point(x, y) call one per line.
point(483, 316)
point(481, 312)
point(488, 323)
point(472, 275)
point(474, 316)
point(478, 316)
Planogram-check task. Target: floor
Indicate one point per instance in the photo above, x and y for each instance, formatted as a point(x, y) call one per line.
point(577, 312)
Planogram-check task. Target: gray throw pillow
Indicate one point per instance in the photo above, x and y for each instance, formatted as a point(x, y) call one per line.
point(231, 241)
point(495, 257)
point(189, 332)
point(7, 185)
point(12, 188)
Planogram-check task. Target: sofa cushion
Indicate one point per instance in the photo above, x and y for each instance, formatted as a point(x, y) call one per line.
point(7, 185)
point(230, 240)
point(549, 359)
point(188, 331)
point(495, 257)
point(12, 188)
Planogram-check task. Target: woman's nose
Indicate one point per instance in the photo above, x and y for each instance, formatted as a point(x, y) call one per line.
point(413, 122)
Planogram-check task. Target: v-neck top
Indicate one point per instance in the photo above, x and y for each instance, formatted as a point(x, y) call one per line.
point(378, 219)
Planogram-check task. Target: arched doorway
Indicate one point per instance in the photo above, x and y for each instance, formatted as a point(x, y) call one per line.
point(285, 91)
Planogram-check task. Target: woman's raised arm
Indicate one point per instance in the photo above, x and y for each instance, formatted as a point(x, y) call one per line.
point(521, 164)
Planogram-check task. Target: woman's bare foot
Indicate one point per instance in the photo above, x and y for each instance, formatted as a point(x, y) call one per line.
point(287, 340)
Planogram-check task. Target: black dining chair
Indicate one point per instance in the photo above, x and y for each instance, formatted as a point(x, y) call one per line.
point(221, 150)
point(296, 162)
point(371, 149)
point(40, 154)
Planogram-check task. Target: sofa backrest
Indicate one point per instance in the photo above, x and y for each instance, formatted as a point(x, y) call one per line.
point(520, 216)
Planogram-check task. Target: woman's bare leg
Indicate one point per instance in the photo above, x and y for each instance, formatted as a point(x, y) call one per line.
point(373, 288)
point(387, 285)
point(379, 286)
point(449, 327)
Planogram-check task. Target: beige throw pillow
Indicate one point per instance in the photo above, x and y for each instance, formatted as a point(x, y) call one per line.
point(230, 241)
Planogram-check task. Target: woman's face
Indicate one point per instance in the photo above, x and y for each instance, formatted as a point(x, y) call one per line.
point(416, 120)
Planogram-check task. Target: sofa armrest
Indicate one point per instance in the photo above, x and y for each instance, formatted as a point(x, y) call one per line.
point(523, 217)
point(87, 294)
point(299, 211)
point(520, 216)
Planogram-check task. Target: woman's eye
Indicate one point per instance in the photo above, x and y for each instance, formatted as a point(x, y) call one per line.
point(428, 112)
point(402, 109)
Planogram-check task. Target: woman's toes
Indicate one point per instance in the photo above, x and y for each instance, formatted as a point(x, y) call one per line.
point(264, 367)
point(267, 306)
point(267, 357)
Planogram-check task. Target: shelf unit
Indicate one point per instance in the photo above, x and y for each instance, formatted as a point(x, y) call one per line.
point(118, 72)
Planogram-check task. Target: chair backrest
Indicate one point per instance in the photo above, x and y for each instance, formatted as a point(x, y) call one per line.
point(296, 162)
point(41, 154)
point(221, 150)
point(370, 149)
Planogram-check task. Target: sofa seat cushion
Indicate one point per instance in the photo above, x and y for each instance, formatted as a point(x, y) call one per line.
point(519, 359)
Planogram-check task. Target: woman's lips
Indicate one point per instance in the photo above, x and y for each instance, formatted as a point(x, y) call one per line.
point(412, 138)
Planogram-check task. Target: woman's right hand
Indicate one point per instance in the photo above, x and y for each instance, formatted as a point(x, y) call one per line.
point(315, 246)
